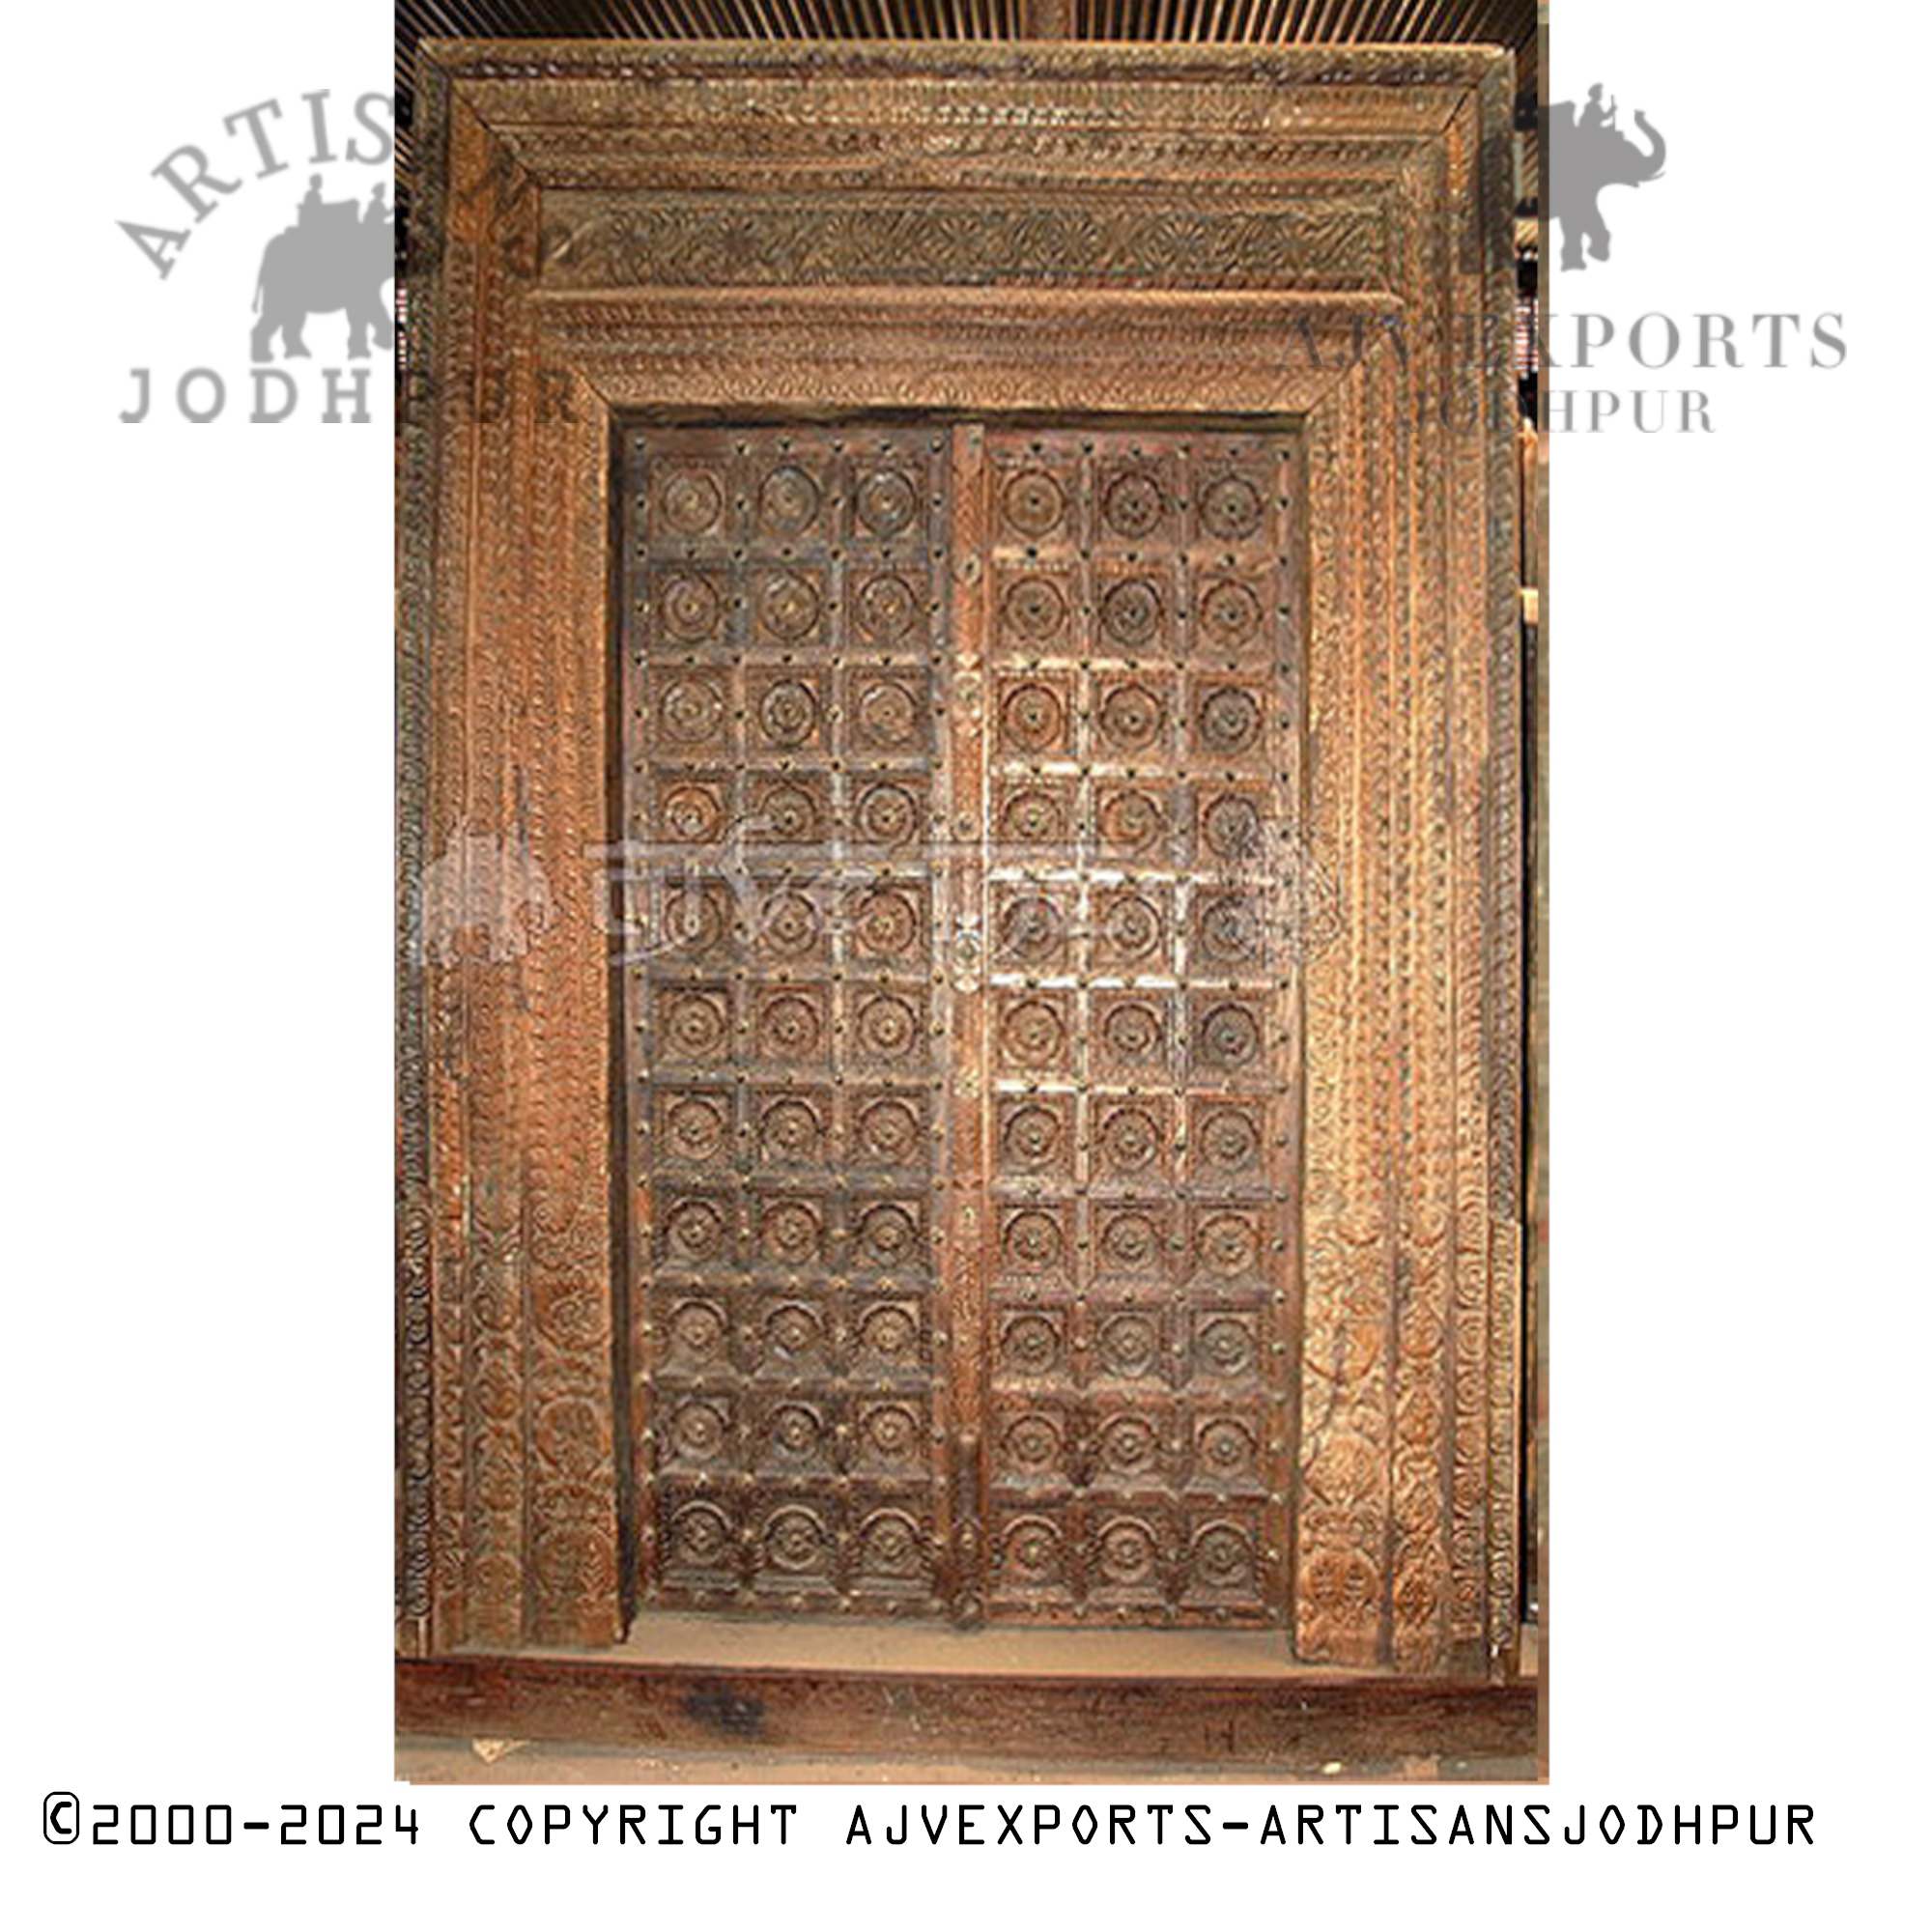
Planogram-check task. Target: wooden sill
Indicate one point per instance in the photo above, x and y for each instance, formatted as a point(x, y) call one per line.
point(1224, 1703)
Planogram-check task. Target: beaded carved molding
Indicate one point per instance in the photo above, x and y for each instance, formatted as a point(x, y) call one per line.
point(1303, 251)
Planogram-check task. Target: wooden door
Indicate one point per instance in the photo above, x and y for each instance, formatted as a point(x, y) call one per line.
point(785, 662)
point(962, 769)
point(901, 243)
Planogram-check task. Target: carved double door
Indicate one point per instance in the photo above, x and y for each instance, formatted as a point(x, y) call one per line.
point(963, 910)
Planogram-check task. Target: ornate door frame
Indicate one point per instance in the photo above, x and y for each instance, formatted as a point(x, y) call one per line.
point(1315, 234)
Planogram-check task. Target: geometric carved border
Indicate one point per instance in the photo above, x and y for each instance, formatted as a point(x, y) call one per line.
point(1356, 275)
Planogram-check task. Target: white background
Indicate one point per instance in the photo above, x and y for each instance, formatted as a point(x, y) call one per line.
point(197, 993)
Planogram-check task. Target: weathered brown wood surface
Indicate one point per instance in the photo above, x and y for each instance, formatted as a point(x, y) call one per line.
point(1225, 1725)
point(965, 914)
point(612, 235)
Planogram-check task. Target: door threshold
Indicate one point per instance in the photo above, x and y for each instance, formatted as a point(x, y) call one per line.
point(757, 1641)
point(1223, 1702)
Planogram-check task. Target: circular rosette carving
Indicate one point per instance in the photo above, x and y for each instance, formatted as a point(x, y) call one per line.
point(693, 814)
point(1226, 1348)
point(698, 919)
point(790, 925)
point(1029, 1553)
point(796, 1433)
point(1036, 609)
point(1230, 721)
point(1134, 504)
point(790, 814)
point(1034, 503)
point(891, 1436)
point(1032, 1447)
point(1133, 721)
point(701, 1537)
point(697, 1332)
point(697, 1026)
point(1232, 828)
point(1133, 1033)
point(699, 1432)
point(795, 1541)
point(886, 608)
point(1229, 926)
point(790, 1131)
point(887, 814)
point(890, 1334)
point(1130, 1141)
point(1231, 616)
point(1131, 821)
point(891, 1545)
point(1127, 1553)
point(1230, 1037)
point(690, 609)
point(1229, 1245)
point(791, 1234)
point(696, 1231)
point(1032, 817)
point(692, 709)
point(789, 714)
point(789, 605)
point(1223, 1558)
point(1231, 509)
point(1033, 717)
point(885, 923)
point(691, 503)
point(697, 1127)
point(887, 1236)
point(1033, 1243)
point(886, 502)
point(1030, 1346)
point(1034, 1034)
point(1227, 1451)
point(791, 1027)
point(1228, 1141)
point(888, 1132)
point(1132, 930)
point(1130, 1344)
point(793, 1330)
point(1129, 1448)
point(788, 500)
point(888, 1028)
point(1033, 931)
point(1032, 1137)
point(1130, 1241)
point(1130, 614)
point(887, 715)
